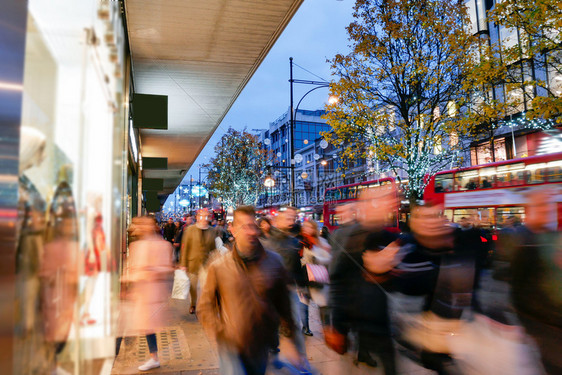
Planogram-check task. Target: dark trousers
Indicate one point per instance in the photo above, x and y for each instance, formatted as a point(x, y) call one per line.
point(150, 339)
point(382, 346)
point(304, 315)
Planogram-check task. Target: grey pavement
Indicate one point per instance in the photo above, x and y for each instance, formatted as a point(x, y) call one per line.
point(184, 348)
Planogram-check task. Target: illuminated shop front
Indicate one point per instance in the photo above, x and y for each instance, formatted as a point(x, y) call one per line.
point(71, 224)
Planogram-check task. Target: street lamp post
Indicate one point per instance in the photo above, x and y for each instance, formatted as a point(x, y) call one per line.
point(292, 120)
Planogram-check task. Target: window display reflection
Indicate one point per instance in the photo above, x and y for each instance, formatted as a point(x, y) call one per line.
point(29, 340)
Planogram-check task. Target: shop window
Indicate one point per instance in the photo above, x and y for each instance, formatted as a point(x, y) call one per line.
point(444, 183)
point(483, 152)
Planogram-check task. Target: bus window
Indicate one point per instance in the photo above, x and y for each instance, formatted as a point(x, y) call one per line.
point(487, 177)
point(334, 220)
point(344, 193)
point(555, 171)
point(505, 215)
point(482, 217)
point(352, 194)
point(337, 194)
point(510, 175)
point(535, 173)
point(467, 180)
point(468, 213)
point(444, 183)
point(448, 213)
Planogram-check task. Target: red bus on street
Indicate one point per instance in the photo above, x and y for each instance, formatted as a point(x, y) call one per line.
point(338, 195)
point(496, 191)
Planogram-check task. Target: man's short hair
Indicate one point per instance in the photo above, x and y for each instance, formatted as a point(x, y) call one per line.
point(243, 210)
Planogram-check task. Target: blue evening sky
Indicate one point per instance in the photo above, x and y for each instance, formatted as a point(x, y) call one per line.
point(316, 33)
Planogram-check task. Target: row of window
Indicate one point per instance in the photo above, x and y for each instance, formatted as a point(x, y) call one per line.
point(488, 217)
point(502, 176)
point(351, 192)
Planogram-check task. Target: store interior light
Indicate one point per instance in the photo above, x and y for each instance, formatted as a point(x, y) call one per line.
point(133, 141)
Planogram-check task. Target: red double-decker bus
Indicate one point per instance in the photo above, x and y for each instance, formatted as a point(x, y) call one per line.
point(496, 191)
point(338, 195)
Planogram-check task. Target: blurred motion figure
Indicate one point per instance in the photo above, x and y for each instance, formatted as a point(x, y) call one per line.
point(536, 277)
point(150, 273)
point(244, 299)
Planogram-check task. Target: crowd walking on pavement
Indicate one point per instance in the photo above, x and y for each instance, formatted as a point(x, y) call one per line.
point(252, 282)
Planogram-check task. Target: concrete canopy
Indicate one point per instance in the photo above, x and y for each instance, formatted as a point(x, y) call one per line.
point(201, 54)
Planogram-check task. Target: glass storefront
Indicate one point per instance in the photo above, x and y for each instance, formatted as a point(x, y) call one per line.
point(72, 187)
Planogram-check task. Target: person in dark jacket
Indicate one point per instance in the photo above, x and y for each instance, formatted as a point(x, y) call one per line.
point(169, 231)
point(536, 278)
point(245, 299)
point(358, 301)
point(287, 246)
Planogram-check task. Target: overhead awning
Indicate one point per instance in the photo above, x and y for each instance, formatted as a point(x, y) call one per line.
point(200, 54)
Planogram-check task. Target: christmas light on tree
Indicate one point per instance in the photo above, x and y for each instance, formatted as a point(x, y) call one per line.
point(237, 171)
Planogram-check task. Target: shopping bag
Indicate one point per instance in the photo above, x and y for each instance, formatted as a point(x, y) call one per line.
point(490, 347)
point(317, 273)
point(180, 289)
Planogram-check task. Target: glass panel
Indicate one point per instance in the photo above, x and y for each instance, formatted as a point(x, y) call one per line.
point(464, 213)
point(482, 217)
point(487, 177)
point(352, 194)
point(448, 214)
point(510, 175)
point(555, 171)
point(535, 173)
point(507, 216)
point(444, 183)
point(467, 180)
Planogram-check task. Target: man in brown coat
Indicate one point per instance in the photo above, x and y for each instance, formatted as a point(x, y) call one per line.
point(197, 242)
point(244, 300)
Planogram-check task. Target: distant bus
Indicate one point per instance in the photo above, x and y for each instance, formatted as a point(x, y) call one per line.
point(496, 191)
point(338, 195)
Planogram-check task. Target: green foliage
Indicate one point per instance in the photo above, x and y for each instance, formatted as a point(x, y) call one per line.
point(237, 171)
point(401, 88)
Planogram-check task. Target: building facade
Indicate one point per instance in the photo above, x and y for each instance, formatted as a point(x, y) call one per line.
point(517, 137)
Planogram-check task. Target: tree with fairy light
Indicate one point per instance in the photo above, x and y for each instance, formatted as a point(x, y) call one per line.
point(237, 171)
point(400, 89)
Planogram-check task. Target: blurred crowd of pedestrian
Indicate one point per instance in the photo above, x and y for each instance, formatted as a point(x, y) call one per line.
point(252, 282)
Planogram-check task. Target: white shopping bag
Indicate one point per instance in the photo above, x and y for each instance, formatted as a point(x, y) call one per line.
point(489, 347)
point(181, 285)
